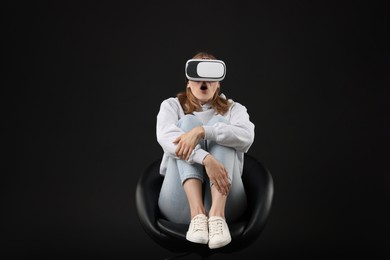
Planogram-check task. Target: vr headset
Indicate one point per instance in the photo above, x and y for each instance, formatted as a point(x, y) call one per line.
point(205, 70)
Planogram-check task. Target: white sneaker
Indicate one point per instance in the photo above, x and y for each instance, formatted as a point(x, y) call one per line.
point(198, 230)
point(219, 234)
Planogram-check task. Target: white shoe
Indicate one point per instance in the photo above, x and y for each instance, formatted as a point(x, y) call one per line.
point(219, 234)
point(198, 230)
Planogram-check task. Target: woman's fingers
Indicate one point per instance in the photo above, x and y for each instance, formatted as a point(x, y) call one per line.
point(225, 187)
point(188, 153)
point(183, 152)
point(176, 140)
point(222, 185)
point(186, 144)
point(178, 150)
point(218, 174)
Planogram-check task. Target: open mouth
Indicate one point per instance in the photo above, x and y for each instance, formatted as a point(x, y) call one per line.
point(203, 87)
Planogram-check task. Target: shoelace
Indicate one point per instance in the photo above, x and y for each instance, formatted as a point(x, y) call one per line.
point(199, 224)
point(215, 227)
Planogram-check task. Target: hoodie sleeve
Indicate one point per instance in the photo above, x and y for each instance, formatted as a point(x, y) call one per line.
point(239, 133)
point(167, 131)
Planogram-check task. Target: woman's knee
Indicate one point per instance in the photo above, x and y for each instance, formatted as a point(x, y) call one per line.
point(188, 122)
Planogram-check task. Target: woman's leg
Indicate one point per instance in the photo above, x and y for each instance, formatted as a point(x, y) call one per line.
point(181, 196)
point(224, 208)
point(172, 201)
point(233, 206)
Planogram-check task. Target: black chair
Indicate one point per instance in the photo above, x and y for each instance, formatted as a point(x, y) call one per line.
point(258, 183)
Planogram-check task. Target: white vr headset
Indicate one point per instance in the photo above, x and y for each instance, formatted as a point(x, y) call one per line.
point(205, 70)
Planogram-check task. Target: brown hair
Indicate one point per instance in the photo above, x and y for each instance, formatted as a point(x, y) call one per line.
point(189, 102)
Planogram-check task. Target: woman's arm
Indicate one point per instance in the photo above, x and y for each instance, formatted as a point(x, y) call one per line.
point(168, 132)
point(239, 134)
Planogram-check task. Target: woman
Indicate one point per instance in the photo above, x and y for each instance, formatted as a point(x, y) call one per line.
point(204, 137)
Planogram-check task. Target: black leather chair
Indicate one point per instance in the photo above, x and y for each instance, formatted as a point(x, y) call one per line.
point(258, 183)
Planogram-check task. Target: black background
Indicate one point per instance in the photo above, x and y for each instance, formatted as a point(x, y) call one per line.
point(82, 83)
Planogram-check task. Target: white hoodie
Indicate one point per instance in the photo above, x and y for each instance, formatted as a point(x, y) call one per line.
point(239, 134)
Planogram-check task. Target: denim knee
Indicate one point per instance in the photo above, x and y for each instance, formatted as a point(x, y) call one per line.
point(188, 122)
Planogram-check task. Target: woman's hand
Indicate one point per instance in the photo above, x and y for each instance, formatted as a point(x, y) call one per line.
point(187, 142)
point(217, 174)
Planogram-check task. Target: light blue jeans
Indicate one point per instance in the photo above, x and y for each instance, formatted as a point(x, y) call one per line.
point(173, 203)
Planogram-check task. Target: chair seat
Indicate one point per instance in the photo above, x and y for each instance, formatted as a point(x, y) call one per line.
point(258, 184)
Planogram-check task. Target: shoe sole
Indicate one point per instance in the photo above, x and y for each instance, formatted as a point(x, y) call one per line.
point(222, 244)
point(198, 240)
